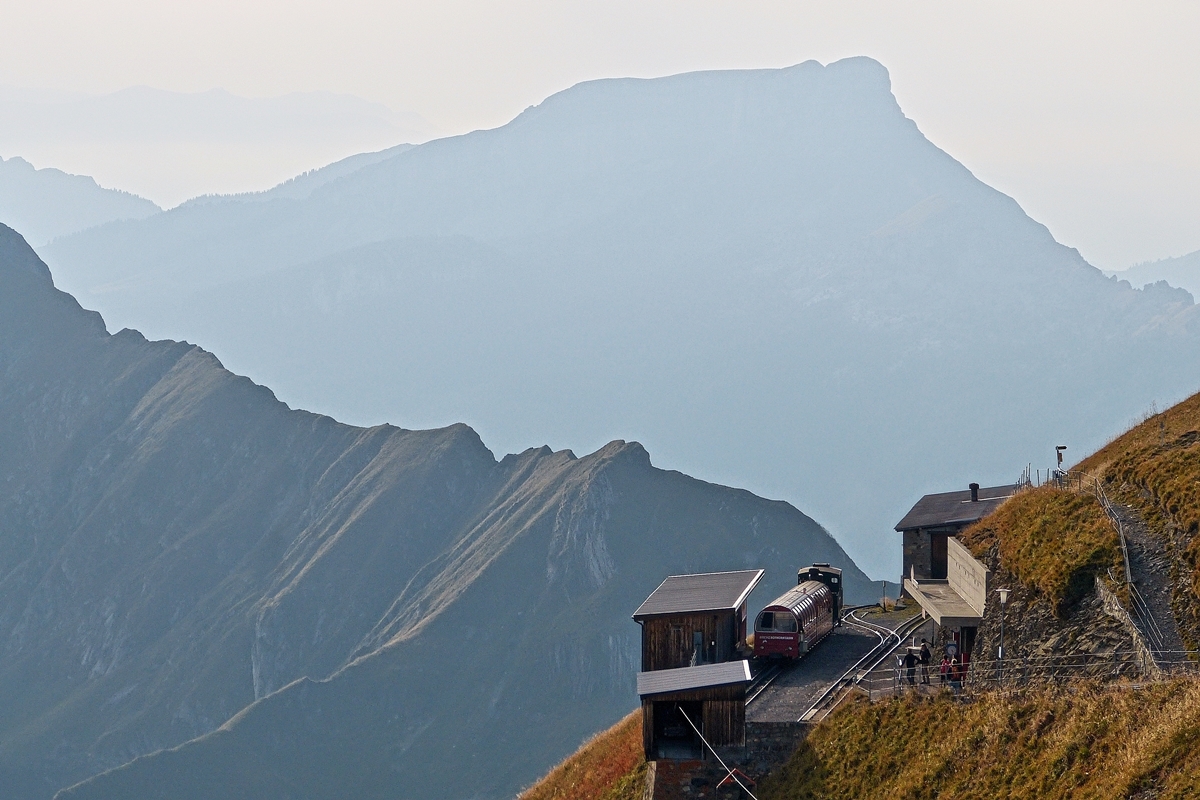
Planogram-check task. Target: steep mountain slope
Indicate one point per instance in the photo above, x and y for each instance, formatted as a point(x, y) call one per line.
point(1153, 473)
point(609, 766)
point(46, 203)
point(769, 277)
point(179, 550)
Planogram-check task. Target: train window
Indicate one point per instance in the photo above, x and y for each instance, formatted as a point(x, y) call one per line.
point(766, 621)
point(785, 623)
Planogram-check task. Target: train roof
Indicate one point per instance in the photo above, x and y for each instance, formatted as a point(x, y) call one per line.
point(794, 597)
point(709, 591)
point(953, 509)
point(662, 681)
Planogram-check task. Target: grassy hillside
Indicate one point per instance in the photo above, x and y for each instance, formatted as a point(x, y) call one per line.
point(1050, 540)
point(1085, 742)
point(610, 766)
point(1155, 468)
point(1082, 740)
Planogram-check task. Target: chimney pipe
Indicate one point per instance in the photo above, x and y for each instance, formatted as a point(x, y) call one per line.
point(974, 492)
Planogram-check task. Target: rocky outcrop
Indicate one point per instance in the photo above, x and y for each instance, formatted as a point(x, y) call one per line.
point(1087, 638)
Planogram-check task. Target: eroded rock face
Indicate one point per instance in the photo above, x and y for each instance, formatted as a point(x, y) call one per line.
point(1083, 641)
point(334, 611)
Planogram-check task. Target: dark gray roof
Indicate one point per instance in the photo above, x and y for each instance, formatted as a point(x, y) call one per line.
point(710, 591)
point(953, 509)
point(661, 681)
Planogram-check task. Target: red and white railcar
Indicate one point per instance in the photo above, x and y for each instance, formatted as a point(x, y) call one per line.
point(796, 621)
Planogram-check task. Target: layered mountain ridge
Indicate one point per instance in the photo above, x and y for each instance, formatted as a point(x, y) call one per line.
point(48, 203)
point(769, 277)
point(1182, 271)
point(304, 608)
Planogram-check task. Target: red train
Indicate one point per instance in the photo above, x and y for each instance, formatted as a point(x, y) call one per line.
point(797, 620)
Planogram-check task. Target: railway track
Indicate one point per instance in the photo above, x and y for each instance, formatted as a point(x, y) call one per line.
point(761, 681)
point(764, 679)
point(888, 641)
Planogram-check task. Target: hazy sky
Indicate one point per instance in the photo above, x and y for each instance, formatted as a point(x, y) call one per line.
point(1087, 112)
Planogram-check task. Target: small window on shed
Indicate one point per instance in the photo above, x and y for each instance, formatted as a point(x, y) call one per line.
point(766, 621)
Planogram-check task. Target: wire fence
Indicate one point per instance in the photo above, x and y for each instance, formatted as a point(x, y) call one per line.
point(1140, 612)
point(1038, 670)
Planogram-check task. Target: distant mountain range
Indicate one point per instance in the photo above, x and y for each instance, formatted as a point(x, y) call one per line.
point(771, 278)
point(47, 203)
point(171, 146)
point(304, 608)
point(303, 185)
point(1183, 272)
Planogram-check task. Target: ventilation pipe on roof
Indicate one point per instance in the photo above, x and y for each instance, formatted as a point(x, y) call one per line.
point(974, 492)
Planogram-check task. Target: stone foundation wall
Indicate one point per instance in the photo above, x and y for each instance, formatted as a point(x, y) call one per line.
point(768, 747)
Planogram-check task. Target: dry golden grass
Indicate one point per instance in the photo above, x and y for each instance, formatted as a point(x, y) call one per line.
point(1151, 433)
point(1155, 467)
point(1161, 456)
point(1052, 540)
point(609, 766)
point(1087, 742)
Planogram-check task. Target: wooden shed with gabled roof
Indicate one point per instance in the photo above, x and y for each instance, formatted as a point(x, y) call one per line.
point(691, 620)
point(683, 708)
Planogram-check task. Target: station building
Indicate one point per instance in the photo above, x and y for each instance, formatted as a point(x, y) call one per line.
point(938, 518)
point(940, 574)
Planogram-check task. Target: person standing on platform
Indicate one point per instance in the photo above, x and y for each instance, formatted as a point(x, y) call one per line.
point(910, 666)
point(925, 657)
point(956, 677)
point(944, 671)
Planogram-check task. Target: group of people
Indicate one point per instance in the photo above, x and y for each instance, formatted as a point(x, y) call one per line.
point(951, 671)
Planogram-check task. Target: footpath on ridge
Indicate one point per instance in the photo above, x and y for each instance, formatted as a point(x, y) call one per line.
point(1150, 568)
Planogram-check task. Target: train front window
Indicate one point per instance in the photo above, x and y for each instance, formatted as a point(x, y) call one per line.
point(785, 623)
point(766, 621)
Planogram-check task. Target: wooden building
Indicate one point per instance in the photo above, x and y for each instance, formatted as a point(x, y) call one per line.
point(679, 706)
point(692, 620)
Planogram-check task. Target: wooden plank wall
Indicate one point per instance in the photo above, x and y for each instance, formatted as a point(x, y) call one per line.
point(725, 722)
point(723, 715)
point(667, 641)
point(648, 728)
